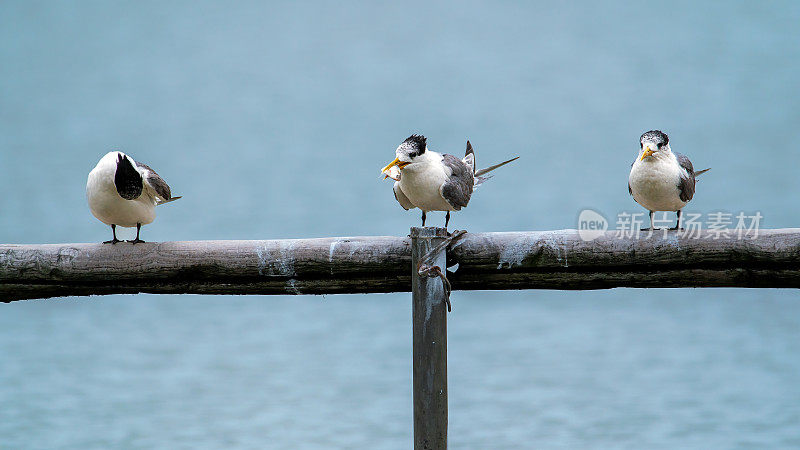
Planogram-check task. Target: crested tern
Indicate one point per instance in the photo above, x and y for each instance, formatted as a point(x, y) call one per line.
point(124, 192)
point(433, 181)
point(660, 179)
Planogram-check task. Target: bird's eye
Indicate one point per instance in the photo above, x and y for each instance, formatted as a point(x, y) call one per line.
point(641, 144)
point(660, 144)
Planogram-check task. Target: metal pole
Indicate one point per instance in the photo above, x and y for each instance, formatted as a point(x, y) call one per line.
point(429, 314)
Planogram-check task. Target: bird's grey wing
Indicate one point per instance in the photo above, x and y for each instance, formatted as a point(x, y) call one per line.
point(469, 157)
point(686, 184)
point(156, 183)
point(401, 198)
point(458, 188)
point(630, 191)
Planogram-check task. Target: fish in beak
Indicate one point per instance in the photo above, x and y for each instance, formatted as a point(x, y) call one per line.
point(398, 165)
point(393, 173)
point(647, 152)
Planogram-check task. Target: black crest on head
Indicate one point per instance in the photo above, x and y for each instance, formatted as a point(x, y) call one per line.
point(656, 136)
point(416, 144)
point(127, 179)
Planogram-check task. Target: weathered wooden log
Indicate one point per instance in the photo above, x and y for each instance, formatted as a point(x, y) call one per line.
point(296, 266)
point(509, 260)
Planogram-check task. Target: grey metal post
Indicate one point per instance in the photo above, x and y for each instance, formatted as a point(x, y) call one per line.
point(429, 313)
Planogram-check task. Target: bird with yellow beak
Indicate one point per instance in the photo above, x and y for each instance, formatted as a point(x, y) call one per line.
point(433, 181)
point(660, 179)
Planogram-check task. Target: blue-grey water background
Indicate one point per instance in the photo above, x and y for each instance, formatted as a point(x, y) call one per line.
point(272, 120)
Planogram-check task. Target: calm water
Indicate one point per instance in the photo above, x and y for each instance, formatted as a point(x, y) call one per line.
point(273, 120)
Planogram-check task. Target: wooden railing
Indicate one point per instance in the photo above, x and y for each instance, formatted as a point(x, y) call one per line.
point(478, 261)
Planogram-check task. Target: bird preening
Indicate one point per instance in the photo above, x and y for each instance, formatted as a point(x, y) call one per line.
point(124, 192)
point(433, 181)
point(660, 179)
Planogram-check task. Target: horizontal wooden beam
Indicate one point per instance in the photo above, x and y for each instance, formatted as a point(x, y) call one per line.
point(486, 261)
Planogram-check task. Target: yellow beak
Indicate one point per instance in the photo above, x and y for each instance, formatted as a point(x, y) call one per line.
point(647, 152)
point(397, 163)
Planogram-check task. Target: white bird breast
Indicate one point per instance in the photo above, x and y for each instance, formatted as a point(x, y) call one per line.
point(422, 180)
point(106, 203)
point(654, 183)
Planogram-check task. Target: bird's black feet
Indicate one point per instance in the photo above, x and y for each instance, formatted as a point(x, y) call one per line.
point(138, 230)
point(677, 229)
point(113, 233)
point(650, 229)
point(678, 223)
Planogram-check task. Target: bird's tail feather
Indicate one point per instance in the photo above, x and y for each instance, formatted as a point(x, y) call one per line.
point(480, 180)
point(161, 202)
point(491, 168)
point(700, 172)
